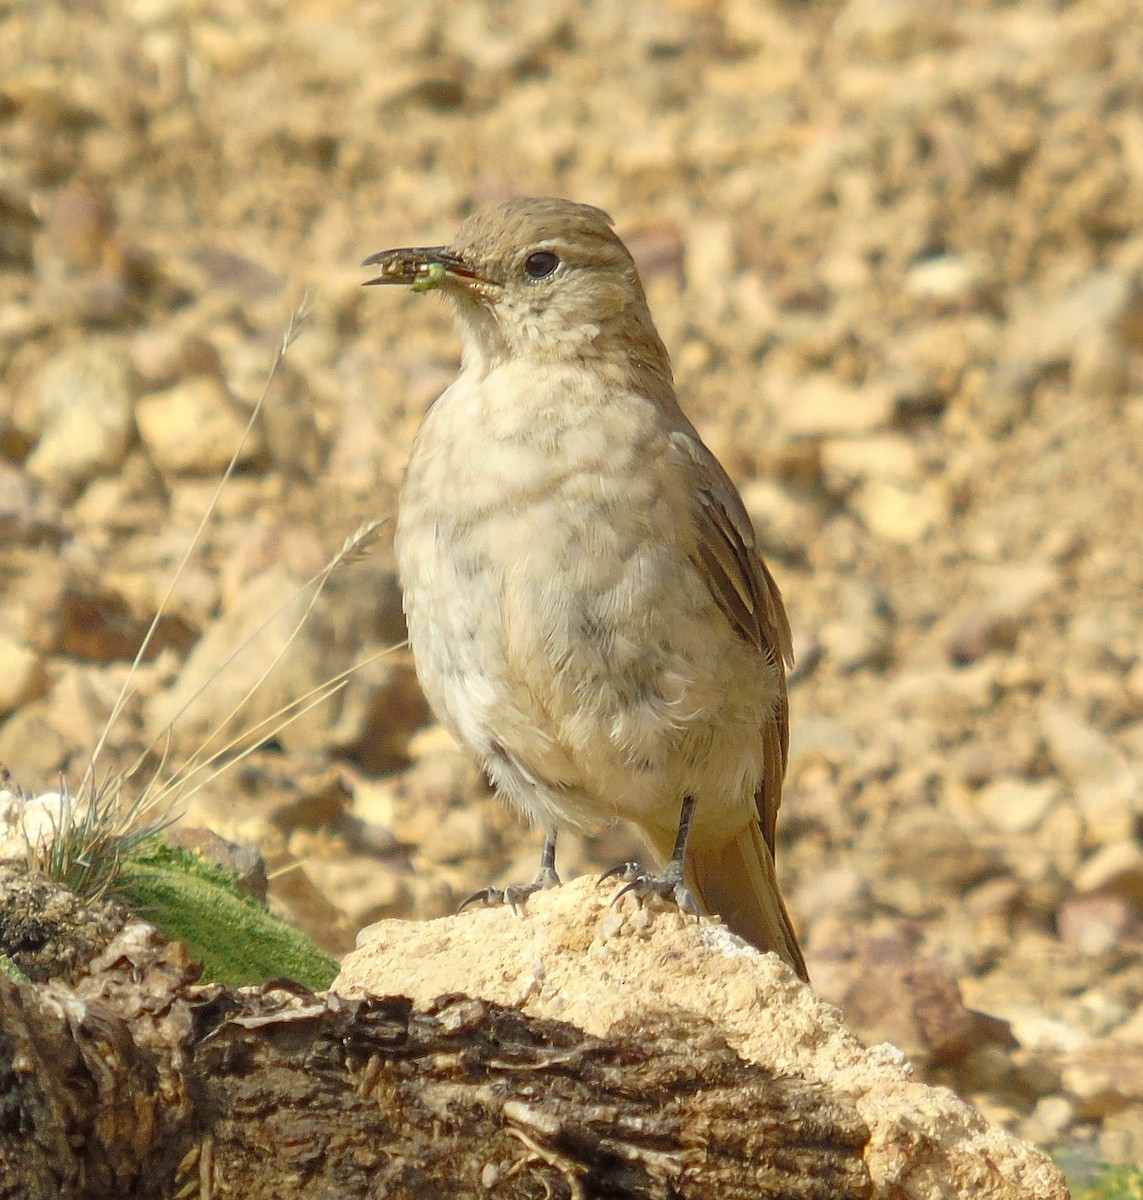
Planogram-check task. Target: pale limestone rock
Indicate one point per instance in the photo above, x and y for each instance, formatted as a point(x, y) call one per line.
point(194, 427)
point(571, 956)
point(1017, 805)
point(80, 411)
point(888, 456)
point(821, 405)
point(904, 515)
point(22, 675)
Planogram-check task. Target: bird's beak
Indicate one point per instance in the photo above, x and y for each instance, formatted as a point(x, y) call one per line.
point(421, 268)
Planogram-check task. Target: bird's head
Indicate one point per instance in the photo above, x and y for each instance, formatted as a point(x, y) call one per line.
point(537, 280)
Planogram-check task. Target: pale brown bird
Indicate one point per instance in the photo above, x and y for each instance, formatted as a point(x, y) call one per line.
point(586, 605)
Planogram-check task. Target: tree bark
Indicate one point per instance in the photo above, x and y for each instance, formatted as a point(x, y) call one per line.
point(136, 1083)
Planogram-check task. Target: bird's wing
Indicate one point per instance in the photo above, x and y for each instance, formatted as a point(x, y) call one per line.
point(727, 558)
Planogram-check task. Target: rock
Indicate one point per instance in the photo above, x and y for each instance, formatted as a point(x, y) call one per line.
point(28, 512)
point(904, 515)
point(1080, 752)
point(574, 957)
point(846, 462)
point(1121, 1136)
point(1103, 1078)
point(821, 405)
point(22, 676)
point(1114, 868)
point(1017, 805)
point(245, 863)
point(1102, 306)
point(1096, 924)
point(240, 665)
point(32, 746)
point(161, 356)
point(1011, 590)
point(1101, 367)
point(1052, 1116)
point(193, 428)
point(946, 281)
point(361, 887)
point(889, 990)
point(938, 851)
point(80, 416)
point(783, 523)
point(861, 635)
point(978, 632)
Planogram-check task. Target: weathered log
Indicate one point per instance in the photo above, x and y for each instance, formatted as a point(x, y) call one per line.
point(137, 1083)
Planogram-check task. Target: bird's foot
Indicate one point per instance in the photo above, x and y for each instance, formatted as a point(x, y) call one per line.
point(514, 895)
point(670, 886)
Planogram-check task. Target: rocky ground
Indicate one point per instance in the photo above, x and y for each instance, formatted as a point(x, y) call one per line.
point(896, 250)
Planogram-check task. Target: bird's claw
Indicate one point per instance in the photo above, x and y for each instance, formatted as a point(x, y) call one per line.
point(628, 872)
point(515, 895)
point(669, 887)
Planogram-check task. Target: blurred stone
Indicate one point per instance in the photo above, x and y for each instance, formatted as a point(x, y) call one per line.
point(362, 887)
point(821, 738)
point(887, 456)
point(294, 444)
point(462, 834)
point(95, 622)
point(938, 851)
point(899, 514)
point(28, 512)
point(22, 676)
point(1103, 302)
point(19, 220)
point(79, 412)
point(193, 428)
point(946, 281)
point(1101, 366)
point(1017, 805)
point(1080, 751)
point(1052, 1116)
point(1014, 587)
point(80, 226)
point(977, 761)
point(164, 355)
point(782, 523)
point(58, 731)
point(240, 676)
point(861, 635)
point(890, 991)
point(1096, 923)
point(245, 863)
point(945, 695)
point(978, 632)
point(1114, 868)
point(1103, 1079)
point(840, 889)
point(821, 405)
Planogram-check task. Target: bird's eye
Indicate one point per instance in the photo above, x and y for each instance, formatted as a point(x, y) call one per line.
point(540, 264)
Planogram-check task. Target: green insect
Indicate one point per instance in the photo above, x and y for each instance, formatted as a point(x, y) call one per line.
point(429, 276)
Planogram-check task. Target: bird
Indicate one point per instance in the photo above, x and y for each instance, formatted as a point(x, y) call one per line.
point(587, 607)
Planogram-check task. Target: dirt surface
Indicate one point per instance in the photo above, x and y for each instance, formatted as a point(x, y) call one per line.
point(896, 251)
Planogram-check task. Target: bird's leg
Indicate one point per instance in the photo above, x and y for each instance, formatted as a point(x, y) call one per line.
point(671, 883)
point(517, 893)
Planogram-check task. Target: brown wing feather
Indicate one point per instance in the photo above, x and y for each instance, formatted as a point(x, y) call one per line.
point(743, 588)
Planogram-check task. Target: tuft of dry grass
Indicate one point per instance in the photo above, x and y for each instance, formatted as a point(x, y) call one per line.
point(106, 819)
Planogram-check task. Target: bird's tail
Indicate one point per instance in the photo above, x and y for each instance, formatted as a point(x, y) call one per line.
point(737, 881)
